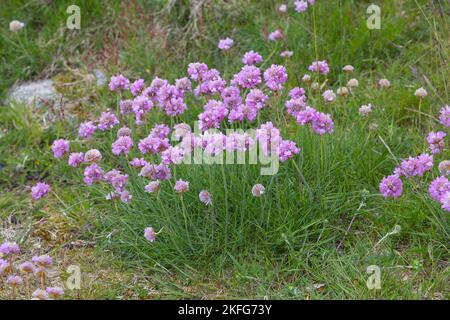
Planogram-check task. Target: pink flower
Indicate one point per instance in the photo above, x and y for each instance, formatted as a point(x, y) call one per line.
point(93, 173)
point(40, 190)
point(329, 96)
point(86, 130)
point(391, 186)
point(258, 190)
point(249, 77)
point(150, 234)
point(320, 67)
point(205, 197)
point(152, 187)
point(124, 131)
point(275, 77)
point(287, 150)
point(251, 58)
point(444, 116)
point(9, 248)
point(138, 162)
point(322, 123)
point(276, 35)
point(122, 144)
point(26, 267)
point(40, 294)
point(365, 110)
point(286, 54)
point(92, 155)
point(60, 147)
point(445, 201)
point(54, 292)
point(282, 8)
point(75, 159)
point(301, 5)
point(107, 121)
point(137, 86)
point(14, 281)
point(43, 260)
point(438, 188)
point(118, 82)
point(225, 44)
point(436, 141)
point(181, 186)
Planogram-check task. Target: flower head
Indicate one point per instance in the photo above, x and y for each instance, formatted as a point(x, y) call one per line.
point(225, 44)
point(60, 147)
point(122, 145)
point(40, 190)
point(258, 190)
point(391, 186)
point(439, 187)
point(75, 159)
point(14, 281)
point(181, 186)
point(92, 156)
point(43, 260)
point(275, 77)
point(16, 26)
point(54, 292)
point(301, 5)
point(205, 197)
point(365, 110)
point(421, 93)
point(118, 82)
point(40, 294)
point(9, 248)
point(86, 130)
point(276, 35)
point(444, 116)
point(436, 141)
point(107, 121)
point(251, 58)
point(152, 187)
point(92, 174)
point(150, 234)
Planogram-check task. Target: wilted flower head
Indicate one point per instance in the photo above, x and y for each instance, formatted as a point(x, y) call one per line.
point(181, 186)
point(251, 58)
point(444, 168)
point(365, 110)
point(384, 83)
point(14, 281)
point(9, 248)
point(258, 190)
point(60, 147)
point(152, 187)
point(444, 116)
point(40, 294)
point(118, 82)
point(353, 83)
point(16, 26)
point(43, 260)
point(26, 267)
point(225, 44)
point(348, 69)
point(329, 96)
point(40, 190)
point(306, 78)
point(391, 186)
point(150, 234)
point(75, 159)
point(205, 197)
point(421, 93)
point(342, 91)
point(54, 292)
point(92, 156)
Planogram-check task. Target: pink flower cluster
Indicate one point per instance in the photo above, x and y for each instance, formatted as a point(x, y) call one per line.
point(38, 266)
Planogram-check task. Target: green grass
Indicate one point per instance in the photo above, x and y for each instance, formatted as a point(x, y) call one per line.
point(322, 215)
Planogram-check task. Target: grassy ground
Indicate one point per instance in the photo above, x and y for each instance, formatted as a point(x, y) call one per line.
point(301, 241)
